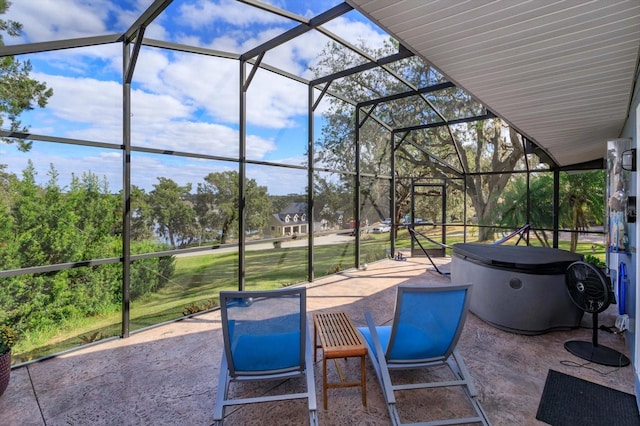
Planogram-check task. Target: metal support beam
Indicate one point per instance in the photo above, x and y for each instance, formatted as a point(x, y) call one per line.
point(367, 115)
point(49, 46)
point(403, 95)
point(528, 204)
point(128, 75)
point(322, 93)
point(446, 123)
point(526, 163)
point(242, 171)
point(357, 188)
point(275, 10)
point(310, 184)
point(126, 193)
point(162, 44)
point(401, 141)
point(56, 139)
point(254, 68)
point(392, 193)
point(556, 207)
point(443, 217)
point(464, 209)
point(458, 149)
point(152, 12)
point(323, 18)
point(402, 54)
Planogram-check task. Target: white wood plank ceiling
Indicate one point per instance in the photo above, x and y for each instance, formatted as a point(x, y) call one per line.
point(561, 72)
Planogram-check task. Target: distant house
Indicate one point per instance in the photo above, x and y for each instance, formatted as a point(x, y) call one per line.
point(291, 221)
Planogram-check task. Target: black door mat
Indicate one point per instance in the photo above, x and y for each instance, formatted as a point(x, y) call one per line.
point(568, 401)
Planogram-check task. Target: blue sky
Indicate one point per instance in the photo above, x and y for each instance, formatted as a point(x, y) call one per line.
point(180, 101)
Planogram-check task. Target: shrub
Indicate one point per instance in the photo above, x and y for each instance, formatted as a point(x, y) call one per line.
point(595, 261)
point(7, 338)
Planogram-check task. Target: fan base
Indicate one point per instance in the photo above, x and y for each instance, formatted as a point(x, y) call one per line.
point(598, 354)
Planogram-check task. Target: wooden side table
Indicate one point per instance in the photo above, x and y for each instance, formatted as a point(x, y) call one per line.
point(338, 339)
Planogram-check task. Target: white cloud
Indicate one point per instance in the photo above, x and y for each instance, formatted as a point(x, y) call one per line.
point(83, 100)
point(279, 181)
point(45, 20)
point(146, 168)
point(274, 101)
point(203, 138)
point(357, 31)
point(62, 19)
point(203, 12)
point(210, 83)
point(158, 120)
point(149, 68)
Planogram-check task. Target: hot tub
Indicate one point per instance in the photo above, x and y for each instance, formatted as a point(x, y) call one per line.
point(520, 289)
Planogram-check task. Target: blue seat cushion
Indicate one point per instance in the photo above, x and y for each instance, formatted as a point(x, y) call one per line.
point(411, 343)
point(263, 353)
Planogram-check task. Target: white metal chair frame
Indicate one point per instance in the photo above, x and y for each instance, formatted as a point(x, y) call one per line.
point(229, 373)
point(383, 364)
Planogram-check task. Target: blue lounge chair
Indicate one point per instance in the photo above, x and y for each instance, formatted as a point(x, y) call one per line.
point(426, 327)
point(266, 337)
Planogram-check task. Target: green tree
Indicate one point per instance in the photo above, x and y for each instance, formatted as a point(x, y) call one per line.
point(18, 92)
point(331, 197)
point(27, 213)
point(581, 203)
point(217, 204)
point(435, 153)
point(8, 251)
point(46, 225)
point(141, 215)
point(512, 212)
point(52, 226)
point(172, 212)
point(582, 198)
point(96, 215)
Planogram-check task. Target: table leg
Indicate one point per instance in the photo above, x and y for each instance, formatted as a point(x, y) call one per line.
point(315, 343)
point(324, 381)
point(363, 381)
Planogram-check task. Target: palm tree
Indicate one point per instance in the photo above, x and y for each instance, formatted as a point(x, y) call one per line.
point(582, 198)
point(581, 203)
point(512, 210)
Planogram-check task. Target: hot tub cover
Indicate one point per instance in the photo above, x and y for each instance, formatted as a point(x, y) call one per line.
point(528, 259)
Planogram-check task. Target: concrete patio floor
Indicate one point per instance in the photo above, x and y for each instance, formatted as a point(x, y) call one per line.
point(168, 375)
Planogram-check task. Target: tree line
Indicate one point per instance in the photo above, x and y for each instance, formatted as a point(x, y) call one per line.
point(46, 224)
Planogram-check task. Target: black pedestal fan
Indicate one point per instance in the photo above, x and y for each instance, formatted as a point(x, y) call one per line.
point(590, 290)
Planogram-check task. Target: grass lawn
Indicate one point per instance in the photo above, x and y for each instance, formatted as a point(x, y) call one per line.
point(198, 279)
